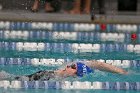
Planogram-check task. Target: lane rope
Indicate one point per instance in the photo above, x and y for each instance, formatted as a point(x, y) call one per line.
point(70, 85)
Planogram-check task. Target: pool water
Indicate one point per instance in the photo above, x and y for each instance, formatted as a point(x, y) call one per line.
point(64, 91)
point(14, 32)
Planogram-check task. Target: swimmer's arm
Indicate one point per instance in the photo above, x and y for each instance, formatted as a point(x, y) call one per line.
point(105, 67)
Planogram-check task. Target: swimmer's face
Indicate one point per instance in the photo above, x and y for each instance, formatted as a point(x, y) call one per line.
point(70, 70)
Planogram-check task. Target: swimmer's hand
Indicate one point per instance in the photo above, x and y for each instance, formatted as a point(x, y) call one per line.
point(124, 72)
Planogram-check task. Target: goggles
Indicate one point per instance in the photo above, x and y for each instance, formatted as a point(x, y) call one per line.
point(73, 66)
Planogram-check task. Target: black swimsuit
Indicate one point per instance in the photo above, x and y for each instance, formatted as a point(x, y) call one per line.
point(40, 75)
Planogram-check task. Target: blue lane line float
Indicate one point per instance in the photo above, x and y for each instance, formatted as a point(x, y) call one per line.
point(70, 85)
point(68, 26)
point(69, 47)
point(54, 62)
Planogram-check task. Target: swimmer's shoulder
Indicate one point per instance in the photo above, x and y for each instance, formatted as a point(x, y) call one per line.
point(89, 62)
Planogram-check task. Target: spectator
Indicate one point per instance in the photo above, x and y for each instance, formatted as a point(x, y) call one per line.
point(101, 4)
point(77, 7)
point(50, 5)
point(0, 7)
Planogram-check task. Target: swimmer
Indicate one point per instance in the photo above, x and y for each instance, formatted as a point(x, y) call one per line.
point(74, 69)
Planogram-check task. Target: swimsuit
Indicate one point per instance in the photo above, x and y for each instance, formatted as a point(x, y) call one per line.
point(40, 75)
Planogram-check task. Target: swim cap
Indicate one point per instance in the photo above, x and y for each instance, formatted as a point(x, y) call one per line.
point(83, 69)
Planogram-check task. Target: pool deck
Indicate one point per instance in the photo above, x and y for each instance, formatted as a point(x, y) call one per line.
point(20, 15)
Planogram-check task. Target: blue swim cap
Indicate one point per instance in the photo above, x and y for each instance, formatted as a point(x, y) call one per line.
point(83, 69)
